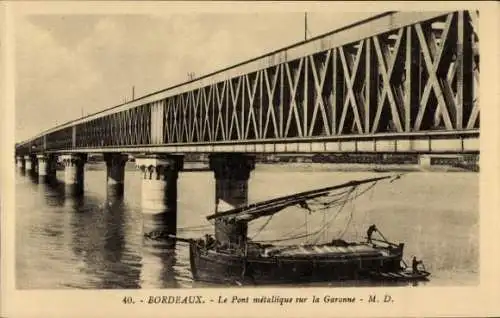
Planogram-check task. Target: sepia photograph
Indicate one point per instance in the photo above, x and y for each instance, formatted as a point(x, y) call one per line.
point(195, 149)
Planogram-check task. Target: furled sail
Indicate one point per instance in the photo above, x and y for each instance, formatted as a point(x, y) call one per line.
point(265, 208)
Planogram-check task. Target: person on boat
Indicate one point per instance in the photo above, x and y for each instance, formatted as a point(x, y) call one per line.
point(414, 265)
point(209, 241)
point(370, 231)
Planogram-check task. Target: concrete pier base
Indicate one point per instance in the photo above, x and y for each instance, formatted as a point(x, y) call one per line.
point(424, 161)
point(232, 172)
point(159, 194)
point(74, 172)
point(46, 168)
point(115, 172)
point(28, 164)
point(20, 162)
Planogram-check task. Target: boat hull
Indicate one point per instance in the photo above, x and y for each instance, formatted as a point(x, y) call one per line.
point(220, 267)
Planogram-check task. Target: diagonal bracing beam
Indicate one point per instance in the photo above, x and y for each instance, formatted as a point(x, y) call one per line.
point(294, 84)
point(432, 66)
point(251, 90)
point(387, 90)
point(270, 90)
point(350, 78)
point(319, 82)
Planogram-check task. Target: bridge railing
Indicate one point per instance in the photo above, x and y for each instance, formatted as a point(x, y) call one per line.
point(403, 72)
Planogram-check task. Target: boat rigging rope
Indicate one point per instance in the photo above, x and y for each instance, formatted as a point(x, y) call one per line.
point(288, 238)
point(340, 202)
point(307, 230)
point(324, 219)
point(341, 199)
point(325, 225)
point(372, 186)
point(263, 226)
point(350, 199)
point(345, 195)
point(330, 203)
point(371, 193)
point(335, 199)
point(307, 234)
point(337, 202)
point(195, 228)
point(327, 204)
point(349, 221)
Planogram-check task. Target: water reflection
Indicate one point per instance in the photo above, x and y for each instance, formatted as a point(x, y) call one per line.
point(123, 268)
point(114, 193)
point(53, 193)
point(99, 243)
point(159, 267)
point(46, 179)
point(33, 176)
point(86, 238)
point(94, 241)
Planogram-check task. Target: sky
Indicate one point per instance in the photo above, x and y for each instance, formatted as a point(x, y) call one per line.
point(73, 64)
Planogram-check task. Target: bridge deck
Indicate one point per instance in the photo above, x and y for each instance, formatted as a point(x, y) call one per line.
point(404, 81)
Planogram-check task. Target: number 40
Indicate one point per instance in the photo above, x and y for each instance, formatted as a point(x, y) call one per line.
point(127, 300)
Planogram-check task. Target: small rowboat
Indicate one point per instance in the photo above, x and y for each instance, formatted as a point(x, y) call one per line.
point(402, 275)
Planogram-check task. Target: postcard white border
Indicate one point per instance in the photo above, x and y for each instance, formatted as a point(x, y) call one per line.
point(424, 301)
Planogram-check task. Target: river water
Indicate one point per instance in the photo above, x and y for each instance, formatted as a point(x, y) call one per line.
point(90, 243)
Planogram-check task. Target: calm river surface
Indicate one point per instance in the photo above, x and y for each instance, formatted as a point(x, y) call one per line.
point(88, 243)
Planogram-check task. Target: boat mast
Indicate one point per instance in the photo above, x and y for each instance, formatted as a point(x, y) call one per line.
point(305, 26)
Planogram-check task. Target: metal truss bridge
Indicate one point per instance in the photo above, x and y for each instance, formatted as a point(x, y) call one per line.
point(397, 82)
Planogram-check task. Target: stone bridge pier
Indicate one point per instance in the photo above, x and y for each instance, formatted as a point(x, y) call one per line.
point(159, 193)
point(46, 167)
point(29, 164)
point(232, 172)
point(74, 172)
point(115, 175)
point(20, 163)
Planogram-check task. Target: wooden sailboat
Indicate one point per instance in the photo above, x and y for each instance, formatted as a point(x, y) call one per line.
point(247, 261)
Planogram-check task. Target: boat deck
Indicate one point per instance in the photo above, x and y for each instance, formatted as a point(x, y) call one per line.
point(325, 250)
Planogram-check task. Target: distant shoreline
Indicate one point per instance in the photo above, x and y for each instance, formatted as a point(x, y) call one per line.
point(358, 167)
point(312, 167)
